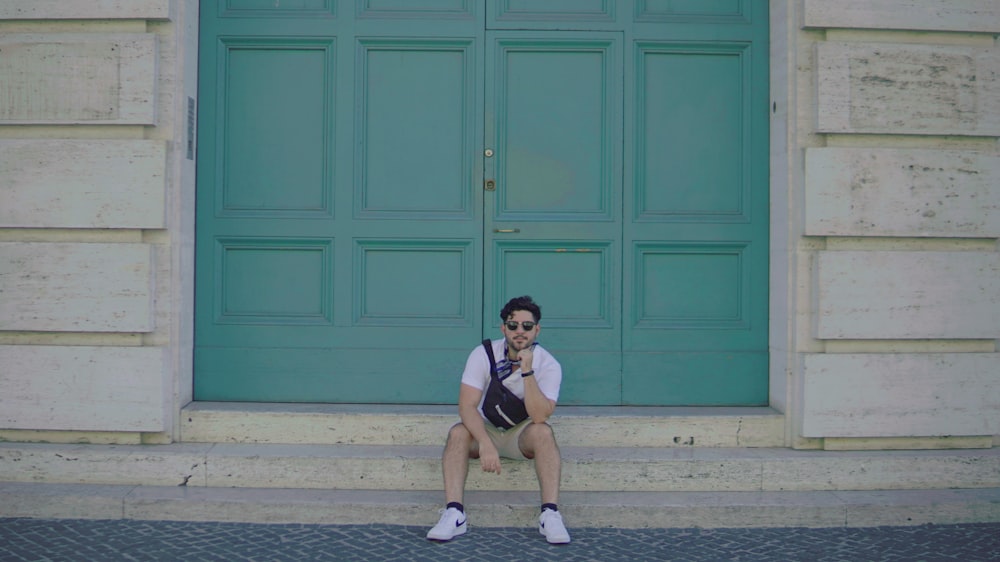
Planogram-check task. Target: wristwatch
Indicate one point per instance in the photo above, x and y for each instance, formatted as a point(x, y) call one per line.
point(528, 374)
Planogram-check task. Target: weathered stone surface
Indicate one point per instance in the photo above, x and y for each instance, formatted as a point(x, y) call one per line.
point(84, 9)
point(77, 501)
point(215, 422)
point(907, 89)
point(82, 388)
point(82, 183)
point(899, 395)
point(879, 470)
point(66, 287)
point(928, 15)
point(902, 192)
point(906, 443)
point(908, 295)
point(585, 469)
point(78, 78)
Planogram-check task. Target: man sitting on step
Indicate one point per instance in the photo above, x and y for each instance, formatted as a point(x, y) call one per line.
point(533, 375)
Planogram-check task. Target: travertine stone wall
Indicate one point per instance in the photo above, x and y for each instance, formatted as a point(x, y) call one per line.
point(78, 78)
point(901, 217)
point(915, 192)
point(84, 9)
point(83, 183)
point(901, 295)
point(977, 16)
point(84, 388)
point(904, 394)
point(76, 287)
point(87, 157)
point(883, 88)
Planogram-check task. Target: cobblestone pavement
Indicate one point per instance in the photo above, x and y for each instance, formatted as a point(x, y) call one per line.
point(90, 540)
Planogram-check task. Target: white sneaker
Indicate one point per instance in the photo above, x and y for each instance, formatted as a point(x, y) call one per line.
point(452, 524)
point(550, 524)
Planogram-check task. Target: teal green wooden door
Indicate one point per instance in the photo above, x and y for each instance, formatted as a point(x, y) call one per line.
point(377, 178)
point(339, 234)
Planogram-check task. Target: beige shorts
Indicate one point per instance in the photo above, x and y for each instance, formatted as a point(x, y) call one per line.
point(506, 440)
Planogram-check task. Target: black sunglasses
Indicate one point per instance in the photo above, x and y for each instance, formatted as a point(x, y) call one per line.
point(527, 325)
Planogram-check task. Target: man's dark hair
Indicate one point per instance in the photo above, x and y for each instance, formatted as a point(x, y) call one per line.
point(521, 303)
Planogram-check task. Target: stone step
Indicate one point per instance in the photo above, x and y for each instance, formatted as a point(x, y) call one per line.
point(417, 467)
point(332, 424)
point(502, 509)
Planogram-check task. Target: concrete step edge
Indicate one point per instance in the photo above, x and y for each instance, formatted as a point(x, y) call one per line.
point(503, 509)
point(213, 422)
point(418, 468)
point(588, 453)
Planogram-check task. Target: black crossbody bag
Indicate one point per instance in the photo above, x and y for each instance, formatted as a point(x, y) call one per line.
point(502, 407)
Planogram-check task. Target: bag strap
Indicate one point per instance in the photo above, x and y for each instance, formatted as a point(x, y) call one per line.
point(488, 344)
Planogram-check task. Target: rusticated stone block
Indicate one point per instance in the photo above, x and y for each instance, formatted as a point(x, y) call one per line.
point(902, 192)
point(981, 16)
point(907, 89)
point(67, 287)
point(907, 295)
point(83, 388)
point(82, 183)
point(901, 395)
point(78, 78)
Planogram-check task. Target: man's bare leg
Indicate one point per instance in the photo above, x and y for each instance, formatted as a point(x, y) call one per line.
point(539, 442)
point(455, 462)
point(455, 466)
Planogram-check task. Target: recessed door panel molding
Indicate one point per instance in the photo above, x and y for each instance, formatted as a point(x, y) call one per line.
point(715, 11)
point(277, 109)
point(692, 132)
point(556, 107)
point(409, 89)
point(272, 9)
point(417, 9)
point(413, 283)
point(563, 11)
point(669, 276)
point(274, 281)
point(547, 270)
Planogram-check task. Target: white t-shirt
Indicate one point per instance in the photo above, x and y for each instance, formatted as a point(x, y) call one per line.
point(548, 372)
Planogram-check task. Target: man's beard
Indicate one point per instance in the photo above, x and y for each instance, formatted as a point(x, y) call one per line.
point(518, 345)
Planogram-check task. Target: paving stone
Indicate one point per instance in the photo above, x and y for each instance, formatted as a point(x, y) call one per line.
point(111, 540)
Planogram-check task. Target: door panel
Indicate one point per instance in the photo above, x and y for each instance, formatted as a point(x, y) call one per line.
point(256, 157)
point(413, 91)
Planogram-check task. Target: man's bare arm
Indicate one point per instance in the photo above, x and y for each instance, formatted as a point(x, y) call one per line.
point(538, 405)
point(468, 410)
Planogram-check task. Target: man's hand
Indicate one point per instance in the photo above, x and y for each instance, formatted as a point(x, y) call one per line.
point(538, 405)
point(525, 356)
point(489, 458)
